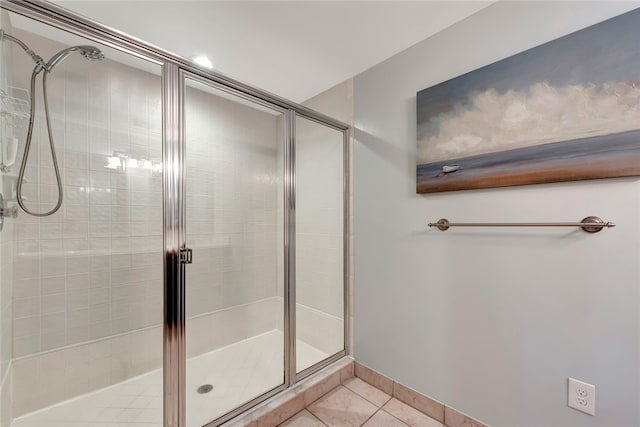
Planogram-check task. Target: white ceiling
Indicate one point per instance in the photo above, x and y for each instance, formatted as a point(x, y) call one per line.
point(295, 49)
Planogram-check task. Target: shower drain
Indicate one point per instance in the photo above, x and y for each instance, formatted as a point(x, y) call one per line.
point(203, 389)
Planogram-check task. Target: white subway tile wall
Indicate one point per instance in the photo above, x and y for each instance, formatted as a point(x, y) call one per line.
point(94, 268)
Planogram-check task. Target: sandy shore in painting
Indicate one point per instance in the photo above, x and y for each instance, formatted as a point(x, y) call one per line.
point(588, 158)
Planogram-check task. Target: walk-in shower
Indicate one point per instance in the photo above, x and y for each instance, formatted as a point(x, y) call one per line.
point(196, 264)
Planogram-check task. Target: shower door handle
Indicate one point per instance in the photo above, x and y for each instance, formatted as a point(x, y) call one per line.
point(186, 256)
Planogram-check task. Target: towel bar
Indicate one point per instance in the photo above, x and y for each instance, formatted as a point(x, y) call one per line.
point(590, 224)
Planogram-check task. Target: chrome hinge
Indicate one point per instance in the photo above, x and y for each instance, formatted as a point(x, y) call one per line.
point(186, 256)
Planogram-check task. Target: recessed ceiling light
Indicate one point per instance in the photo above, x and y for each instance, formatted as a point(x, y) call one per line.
point(203, 61)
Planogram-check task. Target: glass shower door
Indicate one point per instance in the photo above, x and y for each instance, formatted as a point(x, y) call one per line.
point(319, 242)
point(234, 224)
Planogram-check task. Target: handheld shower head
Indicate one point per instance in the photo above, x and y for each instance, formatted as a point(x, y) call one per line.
point(91, 53)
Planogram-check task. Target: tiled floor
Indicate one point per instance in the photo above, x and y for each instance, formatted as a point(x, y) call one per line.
point(238, 373)
point(355, 404)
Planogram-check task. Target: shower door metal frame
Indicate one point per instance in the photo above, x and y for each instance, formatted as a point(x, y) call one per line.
point(173, 183)
point(175, 68)
point(346, 245)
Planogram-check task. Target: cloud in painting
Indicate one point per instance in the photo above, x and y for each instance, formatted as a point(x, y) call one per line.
point(493, 121)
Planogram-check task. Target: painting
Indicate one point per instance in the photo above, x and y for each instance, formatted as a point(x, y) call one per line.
point(563, 111)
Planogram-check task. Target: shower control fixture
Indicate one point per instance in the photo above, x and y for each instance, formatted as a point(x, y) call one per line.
point(4, 212)
point(88, 52)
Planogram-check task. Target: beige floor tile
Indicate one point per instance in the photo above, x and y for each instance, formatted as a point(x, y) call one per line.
point(303, 419)
point(342, 408)
point(383, 419)
point(409, 415)
point(372, 394)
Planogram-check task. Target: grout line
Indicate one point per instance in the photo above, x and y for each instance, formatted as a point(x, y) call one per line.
point(314, 416)
point(390, 414)
point(365, 398)
point(386, 401)
point(373, 403)
point(372, 415)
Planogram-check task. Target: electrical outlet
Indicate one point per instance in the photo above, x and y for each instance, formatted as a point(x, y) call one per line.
point(582, 396)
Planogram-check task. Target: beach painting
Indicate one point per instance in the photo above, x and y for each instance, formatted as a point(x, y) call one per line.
point(563, 111)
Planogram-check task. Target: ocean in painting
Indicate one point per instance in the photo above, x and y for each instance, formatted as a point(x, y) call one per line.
point(586, 158)
point(566, 110)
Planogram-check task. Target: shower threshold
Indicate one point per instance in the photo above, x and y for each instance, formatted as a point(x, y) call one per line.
point(238, 373)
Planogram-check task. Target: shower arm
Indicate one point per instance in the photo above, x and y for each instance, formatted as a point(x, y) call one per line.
point(40, 64)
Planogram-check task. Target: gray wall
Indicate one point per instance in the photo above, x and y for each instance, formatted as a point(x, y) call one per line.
point(491, 322)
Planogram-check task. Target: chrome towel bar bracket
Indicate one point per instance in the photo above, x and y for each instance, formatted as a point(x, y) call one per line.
point(590, 224)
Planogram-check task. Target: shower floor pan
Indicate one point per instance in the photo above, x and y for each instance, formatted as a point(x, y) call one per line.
point(238, 373)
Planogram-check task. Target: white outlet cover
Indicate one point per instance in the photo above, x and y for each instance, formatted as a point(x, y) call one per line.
point(582, 396)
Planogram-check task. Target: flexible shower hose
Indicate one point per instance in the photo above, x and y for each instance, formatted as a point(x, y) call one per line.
point(27, 147)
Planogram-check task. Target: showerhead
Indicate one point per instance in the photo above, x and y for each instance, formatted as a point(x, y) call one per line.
point(91, 53)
